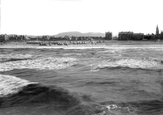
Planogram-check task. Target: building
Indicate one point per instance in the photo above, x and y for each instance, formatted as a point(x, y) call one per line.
point(149, 37)
point(125, 35)
point(108, 36)
point(130, 36)
point(161, 35)
point(138, 36)
point(2, 38)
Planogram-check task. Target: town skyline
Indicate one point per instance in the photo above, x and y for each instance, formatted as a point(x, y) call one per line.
point(102, 34)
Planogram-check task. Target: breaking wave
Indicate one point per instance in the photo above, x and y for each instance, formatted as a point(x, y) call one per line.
point(11, 84)
point(14, 57)
point(131, 63)
point(48, 63)
point(19, 92)
point(144, 107)
point(16, 91)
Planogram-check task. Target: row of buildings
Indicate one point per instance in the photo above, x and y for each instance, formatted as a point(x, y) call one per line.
point(5, 37)
point(135, 36)
point(108, 36)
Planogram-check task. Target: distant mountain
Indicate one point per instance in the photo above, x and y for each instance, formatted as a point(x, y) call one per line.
point(76, 33)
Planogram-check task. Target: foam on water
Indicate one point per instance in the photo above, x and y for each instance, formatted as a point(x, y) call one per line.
point(151, 46)
point(6, 57)
point(11, 84)
point(131, 63)
point(11, 55)
point(48, 63)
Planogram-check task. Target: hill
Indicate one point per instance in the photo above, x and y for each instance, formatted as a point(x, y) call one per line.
point(76, 33)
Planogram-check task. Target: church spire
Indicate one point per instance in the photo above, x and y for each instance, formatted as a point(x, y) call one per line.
point(157, 31)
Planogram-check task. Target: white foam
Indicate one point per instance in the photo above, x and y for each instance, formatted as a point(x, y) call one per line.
point(5, 57)
point(132, 63)
point(113, 106)
point(111, 47)
point(49, 63)
point(17, 56)
point(11, 84)
point(150, 46)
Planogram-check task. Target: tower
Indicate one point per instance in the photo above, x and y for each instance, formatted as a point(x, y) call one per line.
point(157, 32)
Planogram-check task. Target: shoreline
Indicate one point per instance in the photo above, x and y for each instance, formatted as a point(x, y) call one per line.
point(106, 45)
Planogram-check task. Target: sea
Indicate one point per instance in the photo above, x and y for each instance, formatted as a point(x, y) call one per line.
point(113, 80)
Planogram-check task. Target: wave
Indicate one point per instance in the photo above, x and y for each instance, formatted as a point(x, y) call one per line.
point(11, 84)
point(14, 57)
point(148, 106)
point(16, 92)
point(104, 46)
point(39, 94)
point(121, 68)
point(131, 63)
point(110, 82)
point(47, 63)
point(143, 107)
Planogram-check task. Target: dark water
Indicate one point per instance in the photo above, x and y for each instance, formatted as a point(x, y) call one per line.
point(84, 82)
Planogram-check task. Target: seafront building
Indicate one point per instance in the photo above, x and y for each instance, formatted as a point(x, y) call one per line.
point(150, 37)
point(108, 36)
point(130, 36)
point(125, 35)
point(161, 35)
point(140, 36)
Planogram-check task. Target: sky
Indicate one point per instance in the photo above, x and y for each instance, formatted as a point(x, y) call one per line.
point(49, 17)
